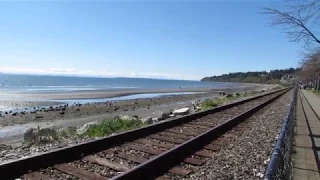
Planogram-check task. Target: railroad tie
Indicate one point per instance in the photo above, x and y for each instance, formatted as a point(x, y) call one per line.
point(36, 176)
point(106, 163)
point(150, 142)
point(80, 173)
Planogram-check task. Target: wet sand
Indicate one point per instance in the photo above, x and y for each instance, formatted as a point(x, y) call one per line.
point(123, 92)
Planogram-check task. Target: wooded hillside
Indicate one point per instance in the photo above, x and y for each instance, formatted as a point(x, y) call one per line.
point(273, 76)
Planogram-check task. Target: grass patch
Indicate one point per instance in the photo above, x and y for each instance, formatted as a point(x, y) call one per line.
point(110, 126)
point(210, 104)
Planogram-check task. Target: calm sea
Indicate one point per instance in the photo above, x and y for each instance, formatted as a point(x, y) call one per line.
point(43, 84)
point(12, 88)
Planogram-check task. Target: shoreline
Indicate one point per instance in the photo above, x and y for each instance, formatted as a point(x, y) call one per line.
point(13, 127)
point(26, 102)
point(100, 94)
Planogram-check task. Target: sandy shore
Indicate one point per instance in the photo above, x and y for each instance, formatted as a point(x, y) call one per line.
point(125, 92)
point(13, 126)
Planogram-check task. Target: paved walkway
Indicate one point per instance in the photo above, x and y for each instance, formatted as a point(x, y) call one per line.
point(307, 137)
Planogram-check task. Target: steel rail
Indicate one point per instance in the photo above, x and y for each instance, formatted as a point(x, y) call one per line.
point(162, 163)
point(21, 166)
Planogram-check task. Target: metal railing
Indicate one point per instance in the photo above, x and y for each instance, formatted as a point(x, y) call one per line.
point(280, 165)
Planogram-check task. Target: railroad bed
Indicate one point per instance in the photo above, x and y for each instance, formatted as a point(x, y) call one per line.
point(145, 153)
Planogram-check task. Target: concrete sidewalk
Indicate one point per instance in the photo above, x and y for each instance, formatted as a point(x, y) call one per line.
point(307, 137)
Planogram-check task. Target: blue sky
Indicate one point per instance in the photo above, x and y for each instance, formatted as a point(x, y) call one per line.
point(168, 39)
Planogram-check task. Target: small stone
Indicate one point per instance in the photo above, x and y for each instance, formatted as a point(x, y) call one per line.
point(147, 120)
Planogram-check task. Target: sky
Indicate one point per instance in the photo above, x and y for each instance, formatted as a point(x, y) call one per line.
point(152, 39)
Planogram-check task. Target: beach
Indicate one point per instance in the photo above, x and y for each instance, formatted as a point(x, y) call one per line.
point(14, 125)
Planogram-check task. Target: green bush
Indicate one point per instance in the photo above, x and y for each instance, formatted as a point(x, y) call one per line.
point(209, 104)
point(110, 126)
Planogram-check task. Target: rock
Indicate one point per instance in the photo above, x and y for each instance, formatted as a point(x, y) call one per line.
point(115, 108)
point(47, 132)
point(5, 147)
point(159, 116)
point(147, 120)
point(164, 116)
point(229, 95)
point(62, 113)
point(155, 120)
point(14, 114)
point(30, 134)
point(63, 109)
point(87, 126)
point(222, 93)
point(77, 109)
point(182, 111)
point(128, 118)
point(236, 94)
point(39, 117)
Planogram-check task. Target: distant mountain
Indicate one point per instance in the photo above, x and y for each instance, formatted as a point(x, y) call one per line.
point(273, 76)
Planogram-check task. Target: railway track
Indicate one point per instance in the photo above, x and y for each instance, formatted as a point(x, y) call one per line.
point(145, 153)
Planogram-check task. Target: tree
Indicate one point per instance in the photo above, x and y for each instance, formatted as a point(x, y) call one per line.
point(299, 21)
point(311, 65)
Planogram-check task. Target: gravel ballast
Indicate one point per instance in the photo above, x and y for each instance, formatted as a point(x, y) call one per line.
point(248, 154)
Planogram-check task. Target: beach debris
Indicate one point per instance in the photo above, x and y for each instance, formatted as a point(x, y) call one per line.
point(5, 147)
point(181, 111)
point(147, 120)
point(10, 155)
point(87, 126)
point(129, 118)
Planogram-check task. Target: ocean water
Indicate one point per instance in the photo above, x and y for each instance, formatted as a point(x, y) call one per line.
point(46, 84)
point(14, 87)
